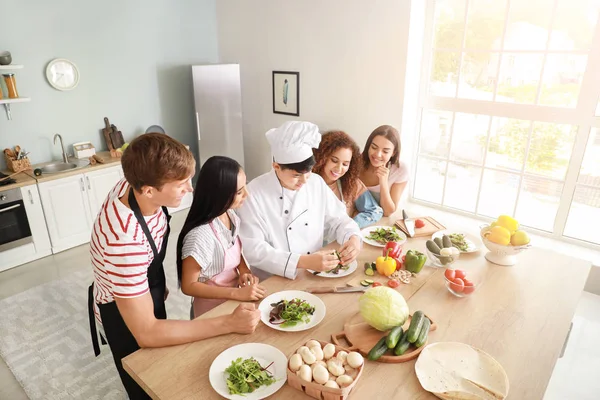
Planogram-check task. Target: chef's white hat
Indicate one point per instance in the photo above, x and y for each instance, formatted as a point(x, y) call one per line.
point(293, 141)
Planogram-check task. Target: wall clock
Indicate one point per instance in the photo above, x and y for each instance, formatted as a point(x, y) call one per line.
point(62, 74)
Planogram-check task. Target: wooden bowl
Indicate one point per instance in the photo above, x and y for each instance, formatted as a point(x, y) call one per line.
point(317, 391)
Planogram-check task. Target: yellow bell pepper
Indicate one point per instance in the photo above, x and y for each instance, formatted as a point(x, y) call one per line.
point(385, 265)
point(499, 235)
point(508, 222)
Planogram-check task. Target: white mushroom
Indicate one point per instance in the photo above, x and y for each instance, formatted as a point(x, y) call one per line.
point(354, 359)
point(335, 367)
point(344, 381)
point(305, 373)
point(351, 372)
point(313, 343)
point(332, 384)
point(320, 374)
point(328, 351)
point(322, 363)
point(301, 349)
point(342, 356)
point(307, 355)
point(318, 353)
point(295, 362)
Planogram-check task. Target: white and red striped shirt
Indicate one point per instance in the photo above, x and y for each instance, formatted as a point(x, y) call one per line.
point(119, 250)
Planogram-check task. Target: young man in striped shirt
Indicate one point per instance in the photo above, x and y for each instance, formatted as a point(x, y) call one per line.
point(127, 249)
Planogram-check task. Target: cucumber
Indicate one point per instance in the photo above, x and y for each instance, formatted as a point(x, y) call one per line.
point(402, 345)
point(434, 248)
point(415, 326)
point(370, 282)
point(369, 272)
point(423, 334)
point(393, 337)
point(439, 242)
point(364, 283)
point(446, 241)
point(378, 350)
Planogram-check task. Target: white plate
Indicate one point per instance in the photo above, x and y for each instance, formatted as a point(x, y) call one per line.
point(352, 267)
point(264, 354)
point(366, 231)
point(265, 309)
point(472, 241)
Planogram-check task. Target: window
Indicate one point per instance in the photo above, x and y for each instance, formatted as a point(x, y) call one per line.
point(507, 110)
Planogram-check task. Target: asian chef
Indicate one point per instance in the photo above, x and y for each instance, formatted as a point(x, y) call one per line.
point(290, 211)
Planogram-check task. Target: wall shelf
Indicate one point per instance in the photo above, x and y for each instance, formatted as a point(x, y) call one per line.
point(17, 100)
point(9, 67)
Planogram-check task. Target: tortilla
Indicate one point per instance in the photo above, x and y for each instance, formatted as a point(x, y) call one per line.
point(458, 371)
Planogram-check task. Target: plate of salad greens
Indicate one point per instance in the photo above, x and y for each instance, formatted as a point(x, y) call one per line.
point(378, 236)
point(464, 242)
point(291, 310)
point(338, 271)
point(248, 371)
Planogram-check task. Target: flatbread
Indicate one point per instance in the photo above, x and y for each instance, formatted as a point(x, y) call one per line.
point(458, 371)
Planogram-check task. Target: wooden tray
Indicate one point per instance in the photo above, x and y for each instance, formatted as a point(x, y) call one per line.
point(317, 391)
point(431, 226)
point(362, 337)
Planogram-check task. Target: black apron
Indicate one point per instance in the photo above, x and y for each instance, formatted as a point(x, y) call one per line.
point(120, 339)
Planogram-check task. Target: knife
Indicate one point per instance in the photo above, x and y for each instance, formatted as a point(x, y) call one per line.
point(409, 223)
point(339, 289)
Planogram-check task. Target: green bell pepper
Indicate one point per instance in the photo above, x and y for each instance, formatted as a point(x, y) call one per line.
point(414, 261)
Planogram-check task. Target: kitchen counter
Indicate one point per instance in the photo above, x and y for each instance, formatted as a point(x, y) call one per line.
point(22, 179)
point(104, 155)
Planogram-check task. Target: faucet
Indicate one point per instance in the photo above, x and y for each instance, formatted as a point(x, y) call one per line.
point(64, 154)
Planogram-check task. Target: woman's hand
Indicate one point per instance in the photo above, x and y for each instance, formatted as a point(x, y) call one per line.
point(247, 279)
point(250, 293)
point(383, 173)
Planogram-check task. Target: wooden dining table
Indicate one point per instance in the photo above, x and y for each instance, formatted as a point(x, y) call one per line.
point(520, 315)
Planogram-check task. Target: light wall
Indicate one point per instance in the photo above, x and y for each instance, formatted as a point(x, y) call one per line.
point(133, 57)
point(351, 56)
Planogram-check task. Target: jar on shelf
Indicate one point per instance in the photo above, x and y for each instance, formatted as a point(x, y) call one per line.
point(11, 85)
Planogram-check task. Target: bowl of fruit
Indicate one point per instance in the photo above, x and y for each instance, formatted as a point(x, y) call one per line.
point(458, 283)
point(504, 240)
point(440, 252)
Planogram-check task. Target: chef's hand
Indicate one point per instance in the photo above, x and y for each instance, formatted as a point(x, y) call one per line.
point(323, 260)
point(166, 293)
point(250, 293)
point(244, 318)
point(349, 251)
point(247, 279)
point(383, 174)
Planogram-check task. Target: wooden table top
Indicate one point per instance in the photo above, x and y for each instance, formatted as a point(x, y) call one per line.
point(520, 315)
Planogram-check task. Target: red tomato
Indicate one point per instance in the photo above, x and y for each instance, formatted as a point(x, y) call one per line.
point(393, 283)
point(457, 285)
point(469, 287)
point(459, 273)
point(375, 284)
point(450, 274)
point(403, 259)
point(419, 223)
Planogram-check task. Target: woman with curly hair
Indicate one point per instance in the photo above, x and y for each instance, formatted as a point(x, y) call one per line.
point(338, 163)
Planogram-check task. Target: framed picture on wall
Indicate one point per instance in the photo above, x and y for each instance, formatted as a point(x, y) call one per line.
point(286, 93)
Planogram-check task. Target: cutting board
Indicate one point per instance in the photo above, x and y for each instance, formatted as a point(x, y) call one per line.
point(431, 227)
point(106, 131)
point(116, 137)
point(362, 337)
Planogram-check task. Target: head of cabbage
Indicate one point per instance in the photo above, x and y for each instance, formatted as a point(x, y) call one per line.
point(383, 308)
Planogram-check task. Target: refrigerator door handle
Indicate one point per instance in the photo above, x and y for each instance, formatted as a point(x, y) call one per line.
point(198, 125)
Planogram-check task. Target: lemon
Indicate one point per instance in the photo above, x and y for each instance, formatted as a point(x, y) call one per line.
point(519, 238)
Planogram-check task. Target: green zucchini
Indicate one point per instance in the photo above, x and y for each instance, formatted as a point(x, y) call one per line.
point(370, 282)
point(423, 334)
point(378, 350)
point(402, 345)
point(415, 326)
point(393, 337)
point(364, 283)
point(446, 241)
point(434, 248)
point(438, 241)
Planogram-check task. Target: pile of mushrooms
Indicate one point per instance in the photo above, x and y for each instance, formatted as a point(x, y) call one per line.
point(323, 366)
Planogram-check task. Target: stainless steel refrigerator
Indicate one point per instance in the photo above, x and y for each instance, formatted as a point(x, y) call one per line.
point(218, 104)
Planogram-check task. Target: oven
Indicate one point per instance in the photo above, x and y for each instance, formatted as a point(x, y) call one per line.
point(14, 226)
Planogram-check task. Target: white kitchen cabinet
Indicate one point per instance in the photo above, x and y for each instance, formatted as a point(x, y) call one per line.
point(71, 205)
point(40, 247)
point(67, 210)
point(98, 184)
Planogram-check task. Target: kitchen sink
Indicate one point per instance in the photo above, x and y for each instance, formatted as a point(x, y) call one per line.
point(57, 167)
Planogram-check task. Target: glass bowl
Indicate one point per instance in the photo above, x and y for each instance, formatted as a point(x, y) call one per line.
point(440, 261)
point(461, 286)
